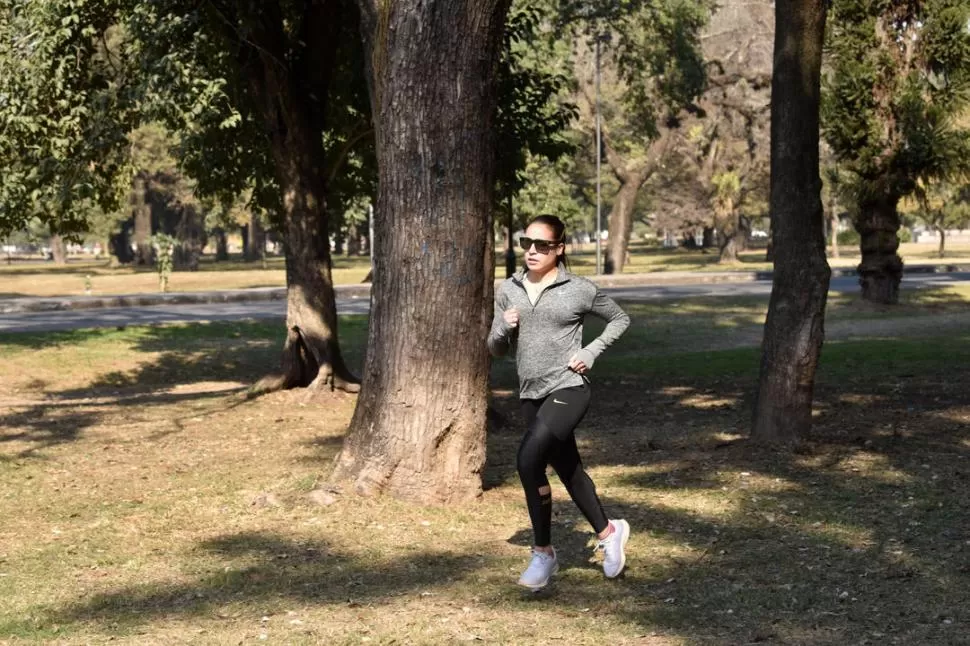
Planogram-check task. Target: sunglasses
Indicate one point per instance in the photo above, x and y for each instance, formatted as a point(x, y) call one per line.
point(542, 246)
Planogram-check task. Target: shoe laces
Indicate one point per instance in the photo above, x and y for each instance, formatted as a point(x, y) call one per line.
point(541, 557)
point(603, 544)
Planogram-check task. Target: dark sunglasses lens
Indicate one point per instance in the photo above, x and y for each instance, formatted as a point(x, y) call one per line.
point(542, 246)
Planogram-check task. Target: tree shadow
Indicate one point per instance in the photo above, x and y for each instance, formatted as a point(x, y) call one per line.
point(858, 536)
point(275, 567)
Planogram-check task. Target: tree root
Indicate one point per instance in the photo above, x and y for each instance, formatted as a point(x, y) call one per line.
point(306, 366)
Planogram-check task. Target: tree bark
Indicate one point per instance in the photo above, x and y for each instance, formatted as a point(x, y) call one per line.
point(729, 232)
point(881, 268)
point(794, 329)
point(942, 250)
point(418, 432)
point(222, 244)
point(631, 178)
point(834, 226)
point(254, 239)
point(141, 212)
point(58, 251)
point(621, 223)
point(292, 100)
point(120, 243)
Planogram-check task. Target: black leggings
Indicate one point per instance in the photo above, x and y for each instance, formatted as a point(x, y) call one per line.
point(550, 439)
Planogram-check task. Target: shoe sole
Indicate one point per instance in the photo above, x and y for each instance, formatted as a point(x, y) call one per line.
point(624, 537)
point(539, 586)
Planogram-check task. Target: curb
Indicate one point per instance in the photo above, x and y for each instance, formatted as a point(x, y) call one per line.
point(62, 303)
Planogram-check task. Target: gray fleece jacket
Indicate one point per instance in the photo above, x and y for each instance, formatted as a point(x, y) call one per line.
point(550, 332)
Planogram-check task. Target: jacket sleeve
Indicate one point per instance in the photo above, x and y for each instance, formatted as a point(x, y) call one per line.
point(617, 321)
point(500, 336)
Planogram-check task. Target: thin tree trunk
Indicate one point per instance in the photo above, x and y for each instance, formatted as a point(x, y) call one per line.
point(728, 233)
point(621, 223)
point(942, 250)
point(142, 214)
point(881, 268)
point(729, 250)
point(794, 329)
point(58, 250)
point(631, 178)
point(419, 428)
point(222, 244)
point(292, 99)
point(254, 239)
point(120, 243)
point(834, 226)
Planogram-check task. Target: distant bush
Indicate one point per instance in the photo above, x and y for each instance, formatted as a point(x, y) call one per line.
point(849, 238)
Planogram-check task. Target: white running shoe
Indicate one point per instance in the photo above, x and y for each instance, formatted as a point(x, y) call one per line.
point(540, 570)
point(614, 557)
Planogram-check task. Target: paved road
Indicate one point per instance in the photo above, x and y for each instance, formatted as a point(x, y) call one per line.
point(111, 317)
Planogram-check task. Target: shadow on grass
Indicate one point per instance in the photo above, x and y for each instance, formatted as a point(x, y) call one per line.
point(194, 358)
point(275, 567)
point(860, 537)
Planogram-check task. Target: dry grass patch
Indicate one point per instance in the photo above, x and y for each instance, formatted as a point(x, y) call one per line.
point(145, 502)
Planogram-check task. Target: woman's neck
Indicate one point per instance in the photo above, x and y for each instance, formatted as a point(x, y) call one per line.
point(536, 277)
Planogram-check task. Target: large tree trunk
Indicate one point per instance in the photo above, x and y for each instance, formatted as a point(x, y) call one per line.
point(292, 98)
point(794, 329)
point(419, 429)
point(621, 223)
point(942, 250)
point(58, 250)
point(881, 268)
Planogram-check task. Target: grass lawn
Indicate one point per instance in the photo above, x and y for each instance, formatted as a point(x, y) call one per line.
point(43, 279)
point(144, 502)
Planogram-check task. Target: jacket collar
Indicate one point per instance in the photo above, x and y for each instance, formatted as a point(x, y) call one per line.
point(562, 276)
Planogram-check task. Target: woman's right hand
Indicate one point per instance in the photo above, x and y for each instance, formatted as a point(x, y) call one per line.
point(511, 317)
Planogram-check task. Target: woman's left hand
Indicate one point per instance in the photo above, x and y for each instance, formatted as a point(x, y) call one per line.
point(577, 365)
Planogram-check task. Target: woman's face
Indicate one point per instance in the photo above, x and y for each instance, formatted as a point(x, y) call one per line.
point(543, 251)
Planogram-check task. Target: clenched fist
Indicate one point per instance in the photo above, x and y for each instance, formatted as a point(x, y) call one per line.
point(511, 317)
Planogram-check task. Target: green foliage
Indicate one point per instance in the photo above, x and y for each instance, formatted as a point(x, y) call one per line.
point(943, 206)
point(533, 112)
point(899, 74)
point(656, 46)
point(65, 107)
point(547, 191)
point(849, 238)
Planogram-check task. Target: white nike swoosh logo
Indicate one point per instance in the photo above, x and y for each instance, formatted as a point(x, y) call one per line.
point(556, 401)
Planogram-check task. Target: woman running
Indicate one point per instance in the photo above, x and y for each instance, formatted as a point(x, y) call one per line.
point(539, 315)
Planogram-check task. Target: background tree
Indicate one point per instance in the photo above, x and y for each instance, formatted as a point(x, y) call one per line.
point(900, 74)
point(655, 71)
point(419, 427)
point(58, 73)
point(794, 328)
point(533, 113)
point(725, 142)
point(249, 87)
point(943, 206)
